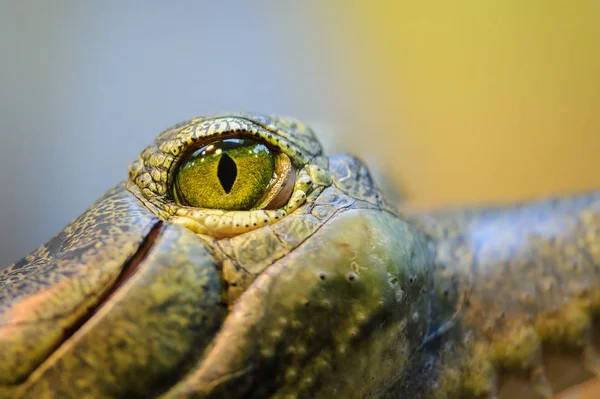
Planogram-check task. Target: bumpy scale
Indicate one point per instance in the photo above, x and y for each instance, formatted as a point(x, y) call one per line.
point(330, 294)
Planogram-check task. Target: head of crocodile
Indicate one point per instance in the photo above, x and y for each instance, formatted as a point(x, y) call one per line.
point(240, 261)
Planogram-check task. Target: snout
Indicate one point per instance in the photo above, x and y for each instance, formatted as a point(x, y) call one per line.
point(116, 305)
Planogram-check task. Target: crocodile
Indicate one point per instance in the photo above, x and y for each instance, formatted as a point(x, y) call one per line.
point(238, 260)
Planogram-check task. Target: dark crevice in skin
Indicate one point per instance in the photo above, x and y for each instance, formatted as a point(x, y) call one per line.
point(129, 268)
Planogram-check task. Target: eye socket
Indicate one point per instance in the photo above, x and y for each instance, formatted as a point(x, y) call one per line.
point(234, 174)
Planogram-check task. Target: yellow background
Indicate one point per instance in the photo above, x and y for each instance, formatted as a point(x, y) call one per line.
point(478, 100)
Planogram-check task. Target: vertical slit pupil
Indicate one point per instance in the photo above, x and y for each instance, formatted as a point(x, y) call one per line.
point(227, 172)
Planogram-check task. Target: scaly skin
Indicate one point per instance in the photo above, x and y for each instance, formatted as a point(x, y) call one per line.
point(333, 295)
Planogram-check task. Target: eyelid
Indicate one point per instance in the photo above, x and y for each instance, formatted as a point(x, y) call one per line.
point(281, 190)
point(293, 145)
point(284, 194)
point(152, 174)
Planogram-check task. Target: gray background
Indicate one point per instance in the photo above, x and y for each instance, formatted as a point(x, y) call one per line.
point(85, 85)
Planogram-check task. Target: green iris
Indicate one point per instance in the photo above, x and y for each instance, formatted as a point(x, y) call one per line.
point(225, 174)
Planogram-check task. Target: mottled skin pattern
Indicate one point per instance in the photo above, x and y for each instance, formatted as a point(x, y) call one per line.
point(531, 275)
point(333, 295)
point(53, 287)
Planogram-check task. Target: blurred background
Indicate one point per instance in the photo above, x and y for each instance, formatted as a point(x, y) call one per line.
point(453, 103)
point(470, 102)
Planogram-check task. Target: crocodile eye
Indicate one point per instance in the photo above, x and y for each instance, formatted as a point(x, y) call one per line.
point(234, 174)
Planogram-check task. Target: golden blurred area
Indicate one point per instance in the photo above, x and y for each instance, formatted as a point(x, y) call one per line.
point(478, 101)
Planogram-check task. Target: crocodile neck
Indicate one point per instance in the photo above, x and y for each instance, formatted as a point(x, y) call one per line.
point(523, 280)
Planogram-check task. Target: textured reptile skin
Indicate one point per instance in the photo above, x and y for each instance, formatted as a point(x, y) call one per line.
point(333, 295)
